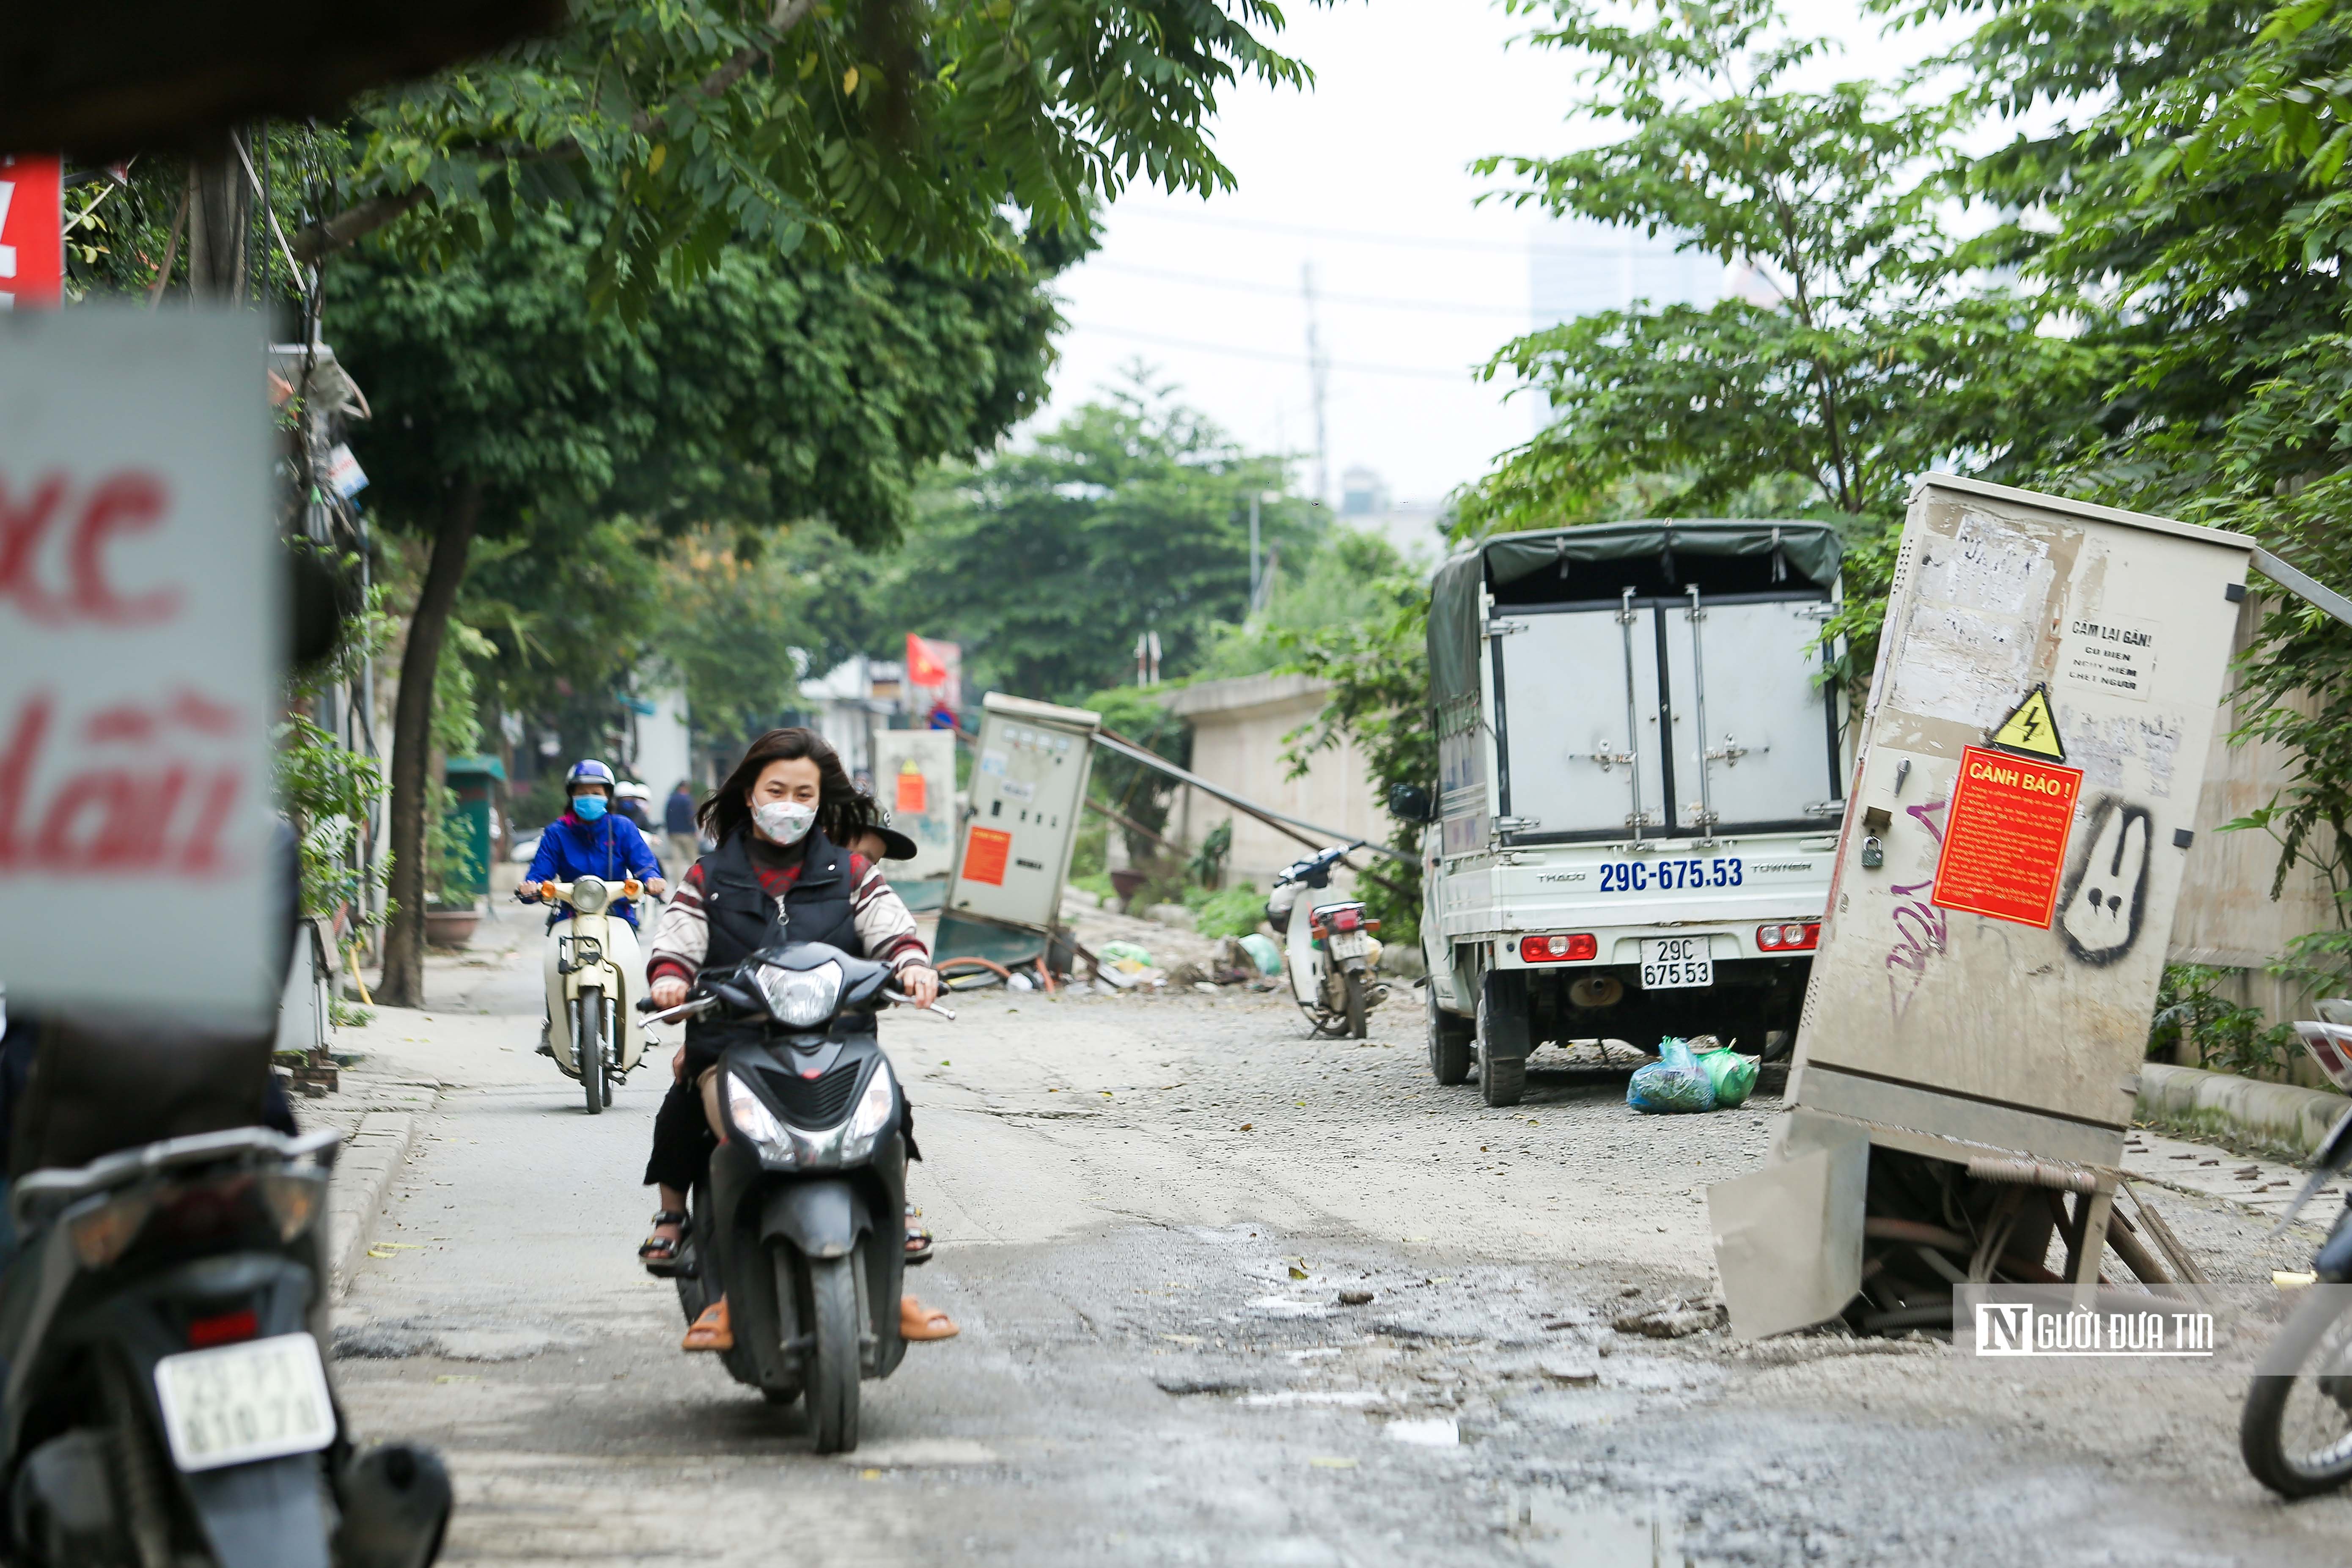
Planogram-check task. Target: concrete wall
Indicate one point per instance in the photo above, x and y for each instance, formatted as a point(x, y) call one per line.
point(2226, 916)
point(1239, 730)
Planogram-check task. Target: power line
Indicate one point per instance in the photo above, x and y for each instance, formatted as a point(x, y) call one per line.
point(1361, 237)
point(1235, 285)
point(1235, 352)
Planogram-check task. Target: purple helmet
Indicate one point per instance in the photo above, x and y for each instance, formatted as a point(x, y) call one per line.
point(589, 771)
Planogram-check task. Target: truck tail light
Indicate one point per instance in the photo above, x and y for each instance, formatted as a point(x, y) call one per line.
point(1580, 948)
point(1796, 936)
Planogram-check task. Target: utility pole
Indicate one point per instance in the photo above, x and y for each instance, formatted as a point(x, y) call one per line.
point(1318, 378)
point(1254, 571)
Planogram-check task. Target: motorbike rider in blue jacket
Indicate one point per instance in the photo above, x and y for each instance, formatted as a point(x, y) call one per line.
point(591, 839)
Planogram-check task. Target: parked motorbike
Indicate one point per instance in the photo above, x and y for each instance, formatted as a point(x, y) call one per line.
point(1330, 956)
point(800, 1220)
point(2296, 1430)
point(167, 1401)
point(592, 974)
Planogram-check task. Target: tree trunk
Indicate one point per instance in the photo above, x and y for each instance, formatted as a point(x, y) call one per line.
point(412, 750)
point(220, 223)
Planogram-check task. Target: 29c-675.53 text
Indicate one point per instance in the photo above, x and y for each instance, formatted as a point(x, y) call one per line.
point(1669, 875)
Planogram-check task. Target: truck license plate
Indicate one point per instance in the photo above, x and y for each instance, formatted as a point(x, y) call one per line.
point(236, 1403)
point(1673, 961)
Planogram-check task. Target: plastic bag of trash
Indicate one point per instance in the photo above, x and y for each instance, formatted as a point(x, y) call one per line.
point(1112, 952)
point(1263, 952)
point(1674, 1082)
point(1733, 1074)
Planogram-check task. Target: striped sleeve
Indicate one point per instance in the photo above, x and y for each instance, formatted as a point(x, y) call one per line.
point(683, 938)
point(885, 926)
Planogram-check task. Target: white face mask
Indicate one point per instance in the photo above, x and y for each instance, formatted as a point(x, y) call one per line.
point(785, 821)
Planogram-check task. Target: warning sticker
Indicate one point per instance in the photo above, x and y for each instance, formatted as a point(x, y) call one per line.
point(2030, 728)
point(2005, 836)
point(984, 854)
point(2113, 658)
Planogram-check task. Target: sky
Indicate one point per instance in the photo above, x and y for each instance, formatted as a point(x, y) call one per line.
point(1364, 178)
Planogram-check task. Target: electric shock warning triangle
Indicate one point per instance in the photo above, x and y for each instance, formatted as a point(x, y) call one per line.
point(2029, 728)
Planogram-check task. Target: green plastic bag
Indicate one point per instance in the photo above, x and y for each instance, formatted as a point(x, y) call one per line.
point(1675, 1082)
point(1112, 952)
point(1733, 1074)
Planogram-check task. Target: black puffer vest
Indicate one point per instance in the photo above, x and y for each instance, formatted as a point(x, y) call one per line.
point(742, 918)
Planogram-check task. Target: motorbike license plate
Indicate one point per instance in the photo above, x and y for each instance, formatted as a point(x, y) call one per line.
point(1675, 961)
point(236, 1403)
point(1348, 944)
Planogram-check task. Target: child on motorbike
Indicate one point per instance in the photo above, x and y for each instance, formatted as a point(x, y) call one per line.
point(780, 821)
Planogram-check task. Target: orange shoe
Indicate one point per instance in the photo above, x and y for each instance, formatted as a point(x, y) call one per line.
point(711, 1331)
point(917, 1321)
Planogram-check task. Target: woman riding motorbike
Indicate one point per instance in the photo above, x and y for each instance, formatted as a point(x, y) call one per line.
point(589, 840)
point(779, 820)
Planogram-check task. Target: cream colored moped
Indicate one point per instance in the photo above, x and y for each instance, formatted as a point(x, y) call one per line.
point(593, 975)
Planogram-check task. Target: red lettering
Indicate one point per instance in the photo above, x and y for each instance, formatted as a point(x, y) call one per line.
point(167, 816)
point(16, 766)
point(126, 503)
point(21, 528)
point(203, 856)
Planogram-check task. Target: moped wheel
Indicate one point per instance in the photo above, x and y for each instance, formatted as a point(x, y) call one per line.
point(588, 1047)
point(2296, 1432)
point(831, 1366)
point(1449, 1044)
point(1354, 983)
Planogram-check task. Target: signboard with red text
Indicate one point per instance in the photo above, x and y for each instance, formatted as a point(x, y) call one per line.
point(139, 638)
point(32, 232)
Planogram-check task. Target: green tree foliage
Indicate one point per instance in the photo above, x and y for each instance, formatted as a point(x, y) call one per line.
point(872, 128)
point(1130, 516)
point(763, 395)
point(2198, 189)
point(1858, 355)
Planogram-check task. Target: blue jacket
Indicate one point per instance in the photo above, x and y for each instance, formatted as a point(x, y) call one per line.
point(610, 848)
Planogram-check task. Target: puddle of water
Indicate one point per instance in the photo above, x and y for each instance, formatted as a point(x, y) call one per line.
point(1582, 1535)
point(1345, 1398)
point(1431, 1432)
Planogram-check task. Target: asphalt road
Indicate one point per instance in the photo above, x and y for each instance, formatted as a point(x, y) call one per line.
point(1148, 1210)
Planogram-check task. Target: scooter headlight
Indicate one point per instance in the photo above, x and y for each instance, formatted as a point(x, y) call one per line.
point(591, 894)
point(872, 1114)
point(799, 998)
point(750, 1116)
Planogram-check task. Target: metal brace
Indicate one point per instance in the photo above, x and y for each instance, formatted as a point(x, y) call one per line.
point(1608, 759)
point(1517, 823)
point(1499, 627)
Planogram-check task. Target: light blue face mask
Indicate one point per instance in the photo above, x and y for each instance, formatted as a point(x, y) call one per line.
point(588, 808)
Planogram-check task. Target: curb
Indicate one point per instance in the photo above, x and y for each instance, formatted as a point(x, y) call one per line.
point(2275, 1118)
point(371, 1157)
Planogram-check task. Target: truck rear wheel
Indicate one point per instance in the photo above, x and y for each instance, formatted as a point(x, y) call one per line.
point(1503, 1040)
point(1449, 1043)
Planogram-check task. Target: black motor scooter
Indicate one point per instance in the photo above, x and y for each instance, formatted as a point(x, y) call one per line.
point(166, 1402)
point(800, 1220)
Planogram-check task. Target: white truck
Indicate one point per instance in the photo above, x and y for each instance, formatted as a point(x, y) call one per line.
point(1643, 757)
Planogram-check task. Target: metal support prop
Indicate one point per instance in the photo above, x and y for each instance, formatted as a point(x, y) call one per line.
point(2303, 586)
point(1136, 753)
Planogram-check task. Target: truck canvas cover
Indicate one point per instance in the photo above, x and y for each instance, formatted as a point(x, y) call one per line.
point(1670, 627)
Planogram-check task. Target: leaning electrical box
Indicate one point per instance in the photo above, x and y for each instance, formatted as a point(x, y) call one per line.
point(2025, 787)
point(1028, 788)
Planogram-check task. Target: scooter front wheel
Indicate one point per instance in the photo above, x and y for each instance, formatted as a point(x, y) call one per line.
point(588, 1045)
point(832, 1371)
point(2296, 1432)
point(1355, 983)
